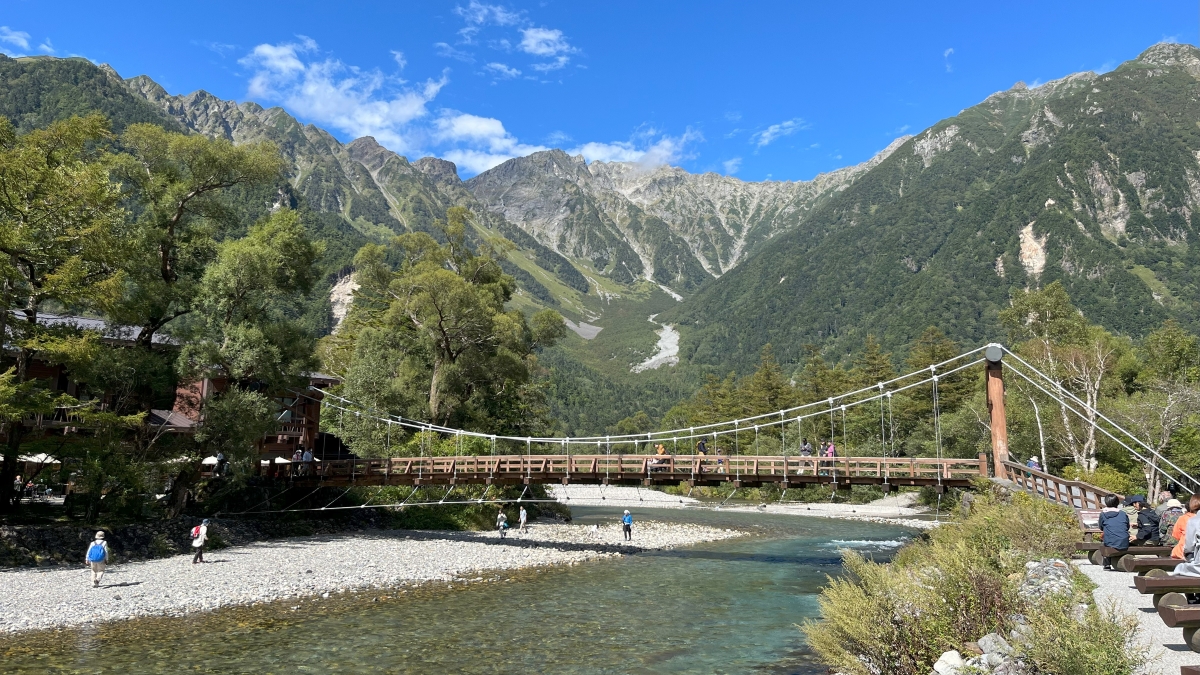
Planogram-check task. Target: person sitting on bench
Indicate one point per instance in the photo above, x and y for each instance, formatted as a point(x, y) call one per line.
point(1179, 529)
point(1147, 522)
point(1114, 523)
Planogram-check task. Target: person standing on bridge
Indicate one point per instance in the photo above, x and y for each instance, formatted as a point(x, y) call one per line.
point(523, 517)
point(501, 522)
point(806, 448)
point(627, 525)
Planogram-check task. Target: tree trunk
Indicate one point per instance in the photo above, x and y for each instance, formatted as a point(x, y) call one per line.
point(181, 487)
point(435, 383)
point(10, 499)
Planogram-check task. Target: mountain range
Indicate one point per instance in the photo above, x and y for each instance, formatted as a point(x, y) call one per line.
point(1092, 180)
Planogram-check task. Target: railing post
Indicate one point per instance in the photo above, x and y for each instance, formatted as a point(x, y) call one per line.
point(995, 404)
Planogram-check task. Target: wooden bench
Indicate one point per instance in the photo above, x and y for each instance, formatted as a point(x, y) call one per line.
point(1143, 565)
point(1185, 617)
point(1161, 585)
point(1189, 670)
point(1087, 546)
point(1115, 554)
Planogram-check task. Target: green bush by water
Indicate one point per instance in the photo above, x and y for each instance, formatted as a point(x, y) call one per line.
point(959, 584)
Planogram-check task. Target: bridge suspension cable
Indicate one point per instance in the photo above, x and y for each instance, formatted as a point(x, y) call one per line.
point(690, 433)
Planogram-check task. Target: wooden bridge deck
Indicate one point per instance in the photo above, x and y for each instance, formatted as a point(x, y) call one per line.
point(743, 471)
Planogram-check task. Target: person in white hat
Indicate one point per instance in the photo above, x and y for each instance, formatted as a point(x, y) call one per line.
point(97, 558)
point(627, 525)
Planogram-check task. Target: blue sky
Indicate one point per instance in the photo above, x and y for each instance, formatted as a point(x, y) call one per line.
point(780, 90)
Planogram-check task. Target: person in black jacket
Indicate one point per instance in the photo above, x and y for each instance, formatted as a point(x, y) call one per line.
point(1115, 525)
point(1147, 523)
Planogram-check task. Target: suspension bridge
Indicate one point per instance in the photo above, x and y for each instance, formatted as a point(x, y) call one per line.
point(616, 460)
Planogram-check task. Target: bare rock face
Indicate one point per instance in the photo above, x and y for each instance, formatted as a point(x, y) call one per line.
point(442, 172)
point(628, 219)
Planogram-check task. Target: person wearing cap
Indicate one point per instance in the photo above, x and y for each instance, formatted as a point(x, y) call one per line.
point(627, 525)
point(97, 558)
point(1172, 511)
point(198, 539)
point(1147, 523)
point(1034, 464)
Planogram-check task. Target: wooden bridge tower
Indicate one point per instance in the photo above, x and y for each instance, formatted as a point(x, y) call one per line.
point(995, 404)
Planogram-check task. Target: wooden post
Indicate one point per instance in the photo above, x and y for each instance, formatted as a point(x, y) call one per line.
point(995, 403)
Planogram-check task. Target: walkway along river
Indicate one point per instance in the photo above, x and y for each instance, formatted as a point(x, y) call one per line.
point(721, 607)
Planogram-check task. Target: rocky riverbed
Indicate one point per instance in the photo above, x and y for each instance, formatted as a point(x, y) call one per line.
point(34, 599)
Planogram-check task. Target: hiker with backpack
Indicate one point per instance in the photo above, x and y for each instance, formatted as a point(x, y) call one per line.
point(1172, 509)
point(199, 536)
point(97, 558)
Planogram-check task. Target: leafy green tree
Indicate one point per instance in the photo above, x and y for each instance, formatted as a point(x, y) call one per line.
point(429, 337)
point(176, 184)
point(58, 216)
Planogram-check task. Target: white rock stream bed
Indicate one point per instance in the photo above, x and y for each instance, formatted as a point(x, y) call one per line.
point(36, 599)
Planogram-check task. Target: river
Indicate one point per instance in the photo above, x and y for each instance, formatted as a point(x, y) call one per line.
point(721, 607)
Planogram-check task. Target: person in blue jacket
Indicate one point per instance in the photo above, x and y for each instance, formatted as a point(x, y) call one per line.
point(627, 526)
point(1114, 523)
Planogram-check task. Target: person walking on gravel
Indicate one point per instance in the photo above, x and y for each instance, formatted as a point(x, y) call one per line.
point(199, 537)
point(627, 525)
point(524, 517)
point(97, 558)
point(501, 522)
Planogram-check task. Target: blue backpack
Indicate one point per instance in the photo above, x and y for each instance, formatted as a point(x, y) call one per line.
point(95, 552)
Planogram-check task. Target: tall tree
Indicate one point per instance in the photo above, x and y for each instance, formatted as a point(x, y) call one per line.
point(59, 217)
point(177, 183)
point(433, 315)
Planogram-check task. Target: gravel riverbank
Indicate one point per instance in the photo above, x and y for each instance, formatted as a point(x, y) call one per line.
point(35, 599)
point(899, 509)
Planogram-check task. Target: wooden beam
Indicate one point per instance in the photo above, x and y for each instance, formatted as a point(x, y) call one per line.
point(995, 403)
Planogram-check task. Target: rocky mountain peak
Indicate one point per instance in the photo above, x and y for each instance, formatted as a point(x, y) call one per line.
point(371, 154)
point(1168, 54)
point(442, 172)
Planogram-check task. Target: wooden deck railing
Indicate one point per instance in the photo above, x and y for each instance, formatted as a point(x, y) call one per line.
point(1073, 493)
point(650, 468)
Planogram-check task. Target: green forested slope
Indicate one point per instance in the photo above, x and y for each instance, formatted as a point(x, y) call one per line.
point(35, 91)
point(1091, 180)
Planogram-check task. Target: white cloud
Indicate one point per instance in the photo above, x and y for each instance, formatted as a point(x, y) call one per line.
point(544, 42)
point(399, 58)
point(733, 116)
point(946, 57)
point(776, 131)
point(558, 138)
point(446, 51)
point(478, 13)
point(732, 165)
point(502, 71)
point(47, 47)
point(558, 62)
point(328, 92)
point(16, 38)
point(647, 147)
point(488, 142)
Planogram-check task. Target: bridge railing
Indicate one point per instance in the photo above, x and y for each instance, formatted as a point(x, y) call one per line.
point(1073, 493)
point(558, 466)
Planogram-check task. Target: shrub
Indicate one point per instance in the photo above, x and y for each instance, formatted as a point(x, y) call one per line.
point(960, 583)
point(1106, 477)
point(1098, 642)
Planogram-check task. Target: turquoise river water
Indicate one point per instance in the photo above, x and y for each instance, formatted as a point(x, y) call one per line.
point(722, 607)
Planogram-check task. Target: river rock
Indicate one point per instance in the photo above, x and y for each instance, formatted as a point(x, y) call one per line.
point(950, 663)
point(1044, 578)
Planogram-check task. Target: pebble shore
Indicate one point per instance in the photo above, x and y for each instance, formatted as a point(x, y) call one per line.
point(37, 599)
